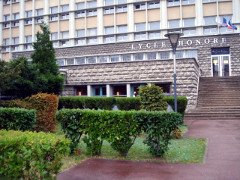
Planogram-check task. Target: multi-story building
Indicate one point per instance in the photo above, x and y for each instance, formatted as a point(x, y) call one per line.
point(111, 47)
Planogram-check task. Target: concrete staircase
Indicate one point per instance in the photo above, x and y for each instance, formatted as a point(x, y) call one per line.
point(218, 99)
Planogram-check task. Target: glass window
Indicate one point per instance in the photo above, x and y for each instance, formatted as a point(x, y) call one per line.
point(189, 32)
point(179, 54)
point(138, 56)
point(64, 8)
point(114, 58)
point(189, 22)
point(121, 1)
point(122, 37)
point(109, 10)
point(80, 14)
point(92, 41)
point(7, 17)
point(206, 1)
point(80, 60)
point(80, 33)
point(103, 59)
point(108, 2)
point(173, 2)
point(188, 2)
point(109, 39)
point(28, 47)
point(16, 16)
point(15, 48)
point(92, 12)
point(70, 61)
point(226, 30)
point(15, 40)
point(7, 2)
point(140, 36)
point(140, 6)
point(81, 91)
point(121, 9)
point(80, 41)
point(154, 25)
point(6, 42)
point(192, 54)
point(15, 1)
point(109, 30)
point(164, 55)
point(39, 12)
point(64, 43)
point(91, 4)
point(28, 21)
point(154, 5)
point(80, 5)
point(28, 14)
point(140, 26)
point(6, 25)
point(152, 55)
point(54, 36)
point(174, 23)
point(91, 60)
point(53, 10)
point(210, 30)
point(54, 18)
point(92, 31)
point(61, 62)
point(55, 43)
point(15, 23)
point(210, 20)
point(122, 29)
point(39, 20)
point(64, 16)
point(28, 39)
point(154, 35)
point(120, 90)
point(126, 57)
point(65, 34)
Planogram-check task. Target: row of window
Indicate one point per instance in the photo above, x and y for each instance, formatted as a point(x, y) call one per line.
point(126, 57)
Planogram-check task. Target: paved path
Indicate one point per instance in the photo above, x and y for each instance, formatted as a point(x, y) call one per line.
point(222, 159)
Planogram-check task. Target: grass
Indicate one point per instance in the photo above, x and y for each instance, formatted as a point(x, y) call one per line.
point(185, 150)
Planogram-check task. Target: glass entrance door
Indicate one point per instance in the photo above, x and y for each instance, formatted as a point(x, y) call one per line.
point(221, 65)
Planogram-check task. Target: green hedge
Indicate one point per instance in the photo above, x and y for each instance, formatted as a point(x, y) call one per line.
point(17, 119)
point(181, 103)
point(31, 155)
point(128, 103)
point(119, 128)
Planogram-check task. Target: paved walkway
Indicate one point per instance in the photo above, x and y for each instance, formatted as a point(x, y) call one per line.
point(222, 159)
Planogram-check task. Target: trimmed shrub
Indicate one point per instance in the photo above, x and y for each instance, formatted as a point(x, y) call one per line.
point(17, 119)
point(128, 103)
point(31, 155)
point(14, 104)
point(181, 103)
point(119, 128)
point(105, 103)
point(151, 98)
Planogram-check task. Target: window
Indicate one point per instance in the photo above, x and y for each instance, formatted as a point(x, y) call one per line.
point(28, 39)
point(39, 12)
point(153, 5)
point(6, 42)
point(15, 23)
point(103, 59)
point(6, 17)
point(191, 54)
point(39, 20)
point(126, 57)
point(173, 2)
point(80, 41)
point(28, 14)
point(16, 16)
point(28, 21)
point(175, 31)
point(80, 14)
point(154, 35)
point(6, 2)
point(164, 55)
point(119, 90)
point(92, 12)
point(80, 60)
point(114, 58)
point(92, 31)
point(140, 36)
point(173, 23)
point(91, 60)
point(108, 39)
point(15, 1)
point(210, 20)
point(65, 34)
point(81, 91)
point(28, 47)
point(179, 54)
point(6, 49)
point(189, 32)
point(6, 25)
point(121, 1)
point(108, 2)
point(122, 37)
point(54, 18)
point(55, 43)
point(154, 25)
point(151, 56)
point(54, 36)
point(122, 29)
point(64, 8)
point(80, 5)
point(140, 26)
point(92, 40)
point(64, 16)
point(53, 10)
point(206, 1)
point(140, 6)
point(70, 61)
point(92, 4)
point(109, 30)
point(121, 9)
point(64, 43)
point(15, 40)
point(80, 33)
point(15, 48)
point(109, 10)
point(189, 22)
point(138, 56)
point(226, 30)
point(188, 2)
point(210, 30)
point(61, 62)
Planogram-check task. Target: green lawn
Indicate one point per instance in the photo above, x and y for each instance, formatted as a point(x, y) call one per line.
point(185, 150)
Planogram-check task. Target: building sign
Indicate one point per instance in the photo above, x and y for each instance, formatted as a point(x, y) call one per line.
point(181, 43)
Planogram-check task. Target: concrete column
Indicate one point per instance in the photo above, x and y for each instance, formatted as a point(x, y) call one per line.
point(1, 26)
point(236, 13)
point(46, 11)
point(72, 28)
point(100, 24)
point(21, 25)
point(131, 27)
point(128, 90)
point(89, 90)
point(199, 17)
point(109, 90)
